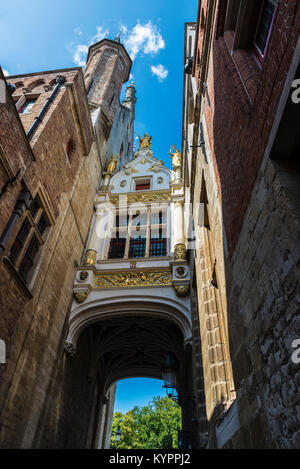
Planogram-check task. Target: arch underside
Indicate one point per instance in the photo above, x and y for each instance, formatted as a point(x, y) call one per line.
point(129, 337)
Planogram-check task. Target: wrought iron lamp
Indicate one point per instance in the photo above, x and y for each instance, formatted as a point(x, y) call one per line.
point(169, 370)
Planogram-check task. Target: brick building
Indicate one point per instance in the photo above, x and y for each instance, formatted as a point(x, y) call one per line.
point(55, 139)
point(240, 147)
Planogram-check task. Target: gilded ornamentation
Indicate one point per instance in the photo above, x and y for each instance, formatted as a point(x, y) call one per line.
point(81, 296)
point(181, 271)
point(133, 265)
point(148, 197)
point(112, 164)
point(90, 257)
point(83, 276)
point(104, 188)
point(182, 290)
point(145, 142)
point(155, 167)
point(180, 252)
point(176, 157)
point(129, 171)
point(132, 279)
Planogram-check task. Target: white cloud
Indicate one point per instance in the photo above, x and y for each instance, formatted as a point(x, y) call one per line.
point(144, 38)
point(5, 72)
point(100, 34)
point(78, 31)
point(79, 56)
point(81, 50)
point(160, 71)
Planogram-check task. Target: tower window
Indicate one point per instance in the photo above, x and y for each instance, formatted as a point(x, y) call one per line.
point(27, 106)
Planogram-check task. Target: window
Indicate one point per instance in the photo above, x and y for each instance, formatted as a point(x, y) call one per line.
point(158, 240)
point(27, 106)
point(30, 237)
point(137, 247)
point(264, 28)
point(140, 234)
point(70, 148)
point(142, 185)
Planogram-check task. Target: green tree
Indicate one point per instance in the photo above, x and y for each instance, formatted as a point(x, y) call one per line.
point(154, 426)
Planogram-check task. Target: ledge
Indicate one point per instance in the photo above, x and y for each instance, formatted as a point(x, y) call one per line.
point(245, 71)
point(17, 277)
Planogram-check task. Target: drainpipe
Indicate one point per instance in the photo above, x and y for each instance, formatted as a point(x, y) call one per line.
point(23, 203)
point(60, 80)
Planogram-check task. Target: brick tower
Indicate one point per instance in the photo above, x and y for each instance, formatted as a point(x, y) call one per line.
point(108, 67)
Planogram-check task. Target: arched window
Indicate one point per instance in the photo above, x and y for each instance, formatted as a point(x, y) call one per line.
point(36, 84)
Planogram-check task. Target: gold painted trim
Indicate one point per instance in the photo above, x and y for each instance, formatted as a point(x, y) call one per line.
point(80, 297)
point(153, 196)
point(90, 257)
point(179, 252)
point(133, 279)
point(182, 290)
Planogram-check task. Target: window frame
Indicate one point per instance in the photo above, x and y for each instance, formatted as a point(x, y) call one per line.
point(33, 220)
point(21, 100)
point(128, 229)
point(140, 181)
point(262, 57)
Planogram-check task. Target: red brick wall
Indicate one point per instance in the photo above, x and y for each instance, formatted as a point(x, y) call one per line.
point(26, 323)
point(243, 104)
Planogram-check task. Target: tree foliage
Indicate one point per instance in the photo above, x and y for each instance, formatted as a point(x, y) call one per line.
point(154, 426)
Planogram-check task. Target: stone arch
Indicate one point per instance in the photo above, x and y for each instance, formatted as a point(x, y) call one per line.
point(122, 304)
point(129, 334)
point(36, 84)
point(19, 84)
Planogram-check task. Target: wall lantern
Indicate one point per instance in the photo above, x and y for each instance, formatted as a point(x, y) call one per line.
point(168, 371)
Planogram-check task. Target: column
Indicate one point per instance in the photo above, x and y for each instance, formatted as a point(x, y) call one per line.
point(93, 246)
point(178, 231)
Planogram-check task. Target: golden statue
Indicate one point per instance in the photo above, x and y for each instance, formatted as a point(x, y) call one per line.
point(112, 164)
point(176, 157)
point(145, 142)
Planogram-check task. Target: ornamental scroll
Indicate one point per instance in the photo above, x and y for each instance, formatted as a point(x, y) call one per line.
point(149, 197)
point(132, 279)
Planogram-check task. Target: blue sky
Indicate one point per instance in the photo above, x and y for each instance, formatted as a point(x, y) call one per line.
point(137, 391)
point(37, 35)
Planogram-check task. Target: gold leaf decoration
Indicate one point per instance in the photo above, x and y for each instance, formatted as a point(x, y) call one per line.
point(132, 279)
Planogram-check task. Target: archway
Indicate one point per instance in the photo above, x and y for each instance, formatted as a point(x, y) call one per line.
point(122, 337)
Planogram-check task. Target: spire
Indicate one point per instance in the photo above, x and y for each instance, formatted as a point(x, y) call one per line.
point(117, 39)
point(130, 98)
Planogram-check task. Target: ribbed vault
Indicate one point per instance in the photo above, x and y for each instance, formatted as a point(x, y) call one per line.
point(132, 346)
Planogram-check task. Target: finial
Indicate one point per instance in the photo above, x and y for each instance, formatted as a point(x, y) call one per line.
point(117, 39)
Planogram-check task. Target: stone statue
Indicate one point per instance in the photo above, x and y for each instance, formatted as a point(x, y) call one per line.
point(176, 157)
point(112, 164)
point(145, 142)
